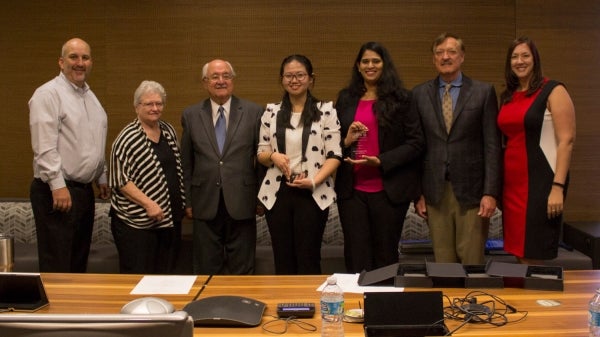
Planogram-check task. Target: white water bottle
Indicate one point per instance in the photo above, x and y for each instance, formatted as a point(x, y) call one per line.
point(332, 309)
point(594, 315)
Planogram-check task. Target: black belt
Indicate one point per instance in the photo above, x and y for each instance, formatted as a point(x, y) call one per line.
point(70, 183)
point(77, 184)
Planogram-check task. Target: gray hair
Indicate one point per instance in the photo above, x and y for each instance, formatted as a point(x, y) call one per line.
point(205, 68)
point(147, 87)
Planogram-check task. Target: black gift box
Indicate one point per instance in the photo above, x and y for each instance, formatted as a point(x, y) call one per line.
point(456, 275)
point(477, 277)
point(381, 276)
point(528, 277)
point(399, 275)
point(513, 274)
point(446, 275)
point(413, 275)
point(544, 278)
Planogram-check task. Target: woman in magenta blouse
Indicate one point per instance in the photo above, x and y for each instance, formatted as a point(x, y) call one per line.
point(382, 143)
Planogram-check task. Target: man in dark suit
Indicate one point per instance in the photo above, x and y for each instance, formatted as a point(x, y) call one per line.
point(461, 169)
point(219, 142)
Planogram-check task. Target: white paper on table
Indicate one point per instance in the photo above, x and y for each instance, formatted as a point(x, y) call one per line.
point(349, 284)
point(164, 285)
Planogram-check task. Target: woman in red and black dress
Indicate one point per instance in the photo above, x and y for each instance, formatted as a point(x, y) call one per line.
point(537, 119)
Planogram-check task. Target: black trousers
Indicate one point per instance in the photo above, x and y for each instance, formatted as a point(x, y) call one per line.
point(63, 238)
point(296, 224)
point(146, 251)
point(372, 228)
point(224, 245)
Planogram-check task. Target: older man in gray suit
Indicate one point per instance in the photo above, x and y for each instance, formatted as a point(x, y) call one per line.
point(461, 169)
point(219, 142)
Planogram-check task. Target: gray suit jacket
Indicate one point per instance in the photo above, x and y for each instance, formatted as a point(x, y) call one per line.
point(206, 172)
point(470, 155)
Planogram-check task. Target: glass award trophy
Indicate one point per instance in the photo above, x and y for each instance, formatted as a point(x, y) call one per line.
point(360, 147)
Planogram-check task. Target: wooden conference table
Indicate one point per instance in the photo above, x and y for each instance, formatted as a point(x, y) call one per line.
point(107, 293)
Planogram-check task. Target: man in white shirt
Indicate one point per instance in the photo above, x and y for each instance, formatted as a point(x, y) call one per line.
point(68, 136)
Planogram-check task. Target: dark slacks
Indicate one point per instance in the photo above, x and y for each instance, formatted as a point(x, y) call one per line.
point(63, 238)
point(372, 228)
point(296, 224)
point(146, 251)
point(224, 245)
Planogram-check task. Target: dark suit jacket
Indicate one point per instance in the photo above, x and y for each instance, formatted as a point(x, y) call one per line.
point(400, 147)
point(206, 171)
point(470, 155)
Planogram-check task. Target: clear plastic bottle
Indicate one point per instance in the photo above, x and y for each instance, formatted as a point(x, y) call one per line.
point(332, 309)
point(594, 315)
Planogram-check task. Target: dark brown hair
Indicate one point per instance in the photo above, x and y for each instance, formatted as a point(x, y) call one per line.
point(512, 81)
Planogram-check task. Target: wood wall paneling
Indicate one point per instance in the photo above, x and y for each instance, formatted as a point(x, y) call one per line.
point(170, 41)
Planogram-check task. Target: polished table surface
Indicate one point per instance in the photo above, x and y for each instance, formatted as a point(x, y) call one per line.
point(107, 293)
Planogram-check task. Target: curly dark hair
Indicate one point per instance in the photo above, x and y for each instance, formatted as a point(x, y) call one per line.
point(310, 113)
point(512, 81)
point(392, 97)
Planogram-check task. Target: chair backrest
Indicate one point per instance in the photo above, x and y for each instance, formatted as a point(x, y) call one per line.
point(177, 324)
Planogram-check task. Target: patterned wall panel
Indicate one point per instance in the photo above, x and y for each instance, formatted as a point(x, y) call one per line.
point(16, 219)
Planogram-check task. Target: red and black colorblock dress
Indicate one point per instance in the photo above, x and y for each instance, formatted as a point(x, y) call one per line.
point(529, 162)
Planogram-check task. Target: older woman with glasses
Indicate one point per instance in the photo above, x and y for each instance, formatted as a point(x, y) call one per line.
point(147, 201)
point(299, 143)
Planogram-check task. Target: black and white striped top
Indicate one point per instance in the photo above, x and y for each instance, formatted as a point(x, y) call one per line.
point(132, 159)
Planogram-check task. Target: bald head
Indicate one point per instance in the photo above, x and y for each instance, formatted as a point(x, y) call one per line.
point(76, 61)
point(72, 43)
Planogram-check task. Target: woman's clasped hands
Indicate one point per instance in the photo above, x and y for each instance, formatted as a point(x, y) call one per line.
point(293, 179)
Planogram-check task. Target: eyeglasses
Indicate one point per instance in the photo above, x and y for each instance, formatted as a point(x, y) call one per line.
point(159, 105)
point(299, 76)
point(441, 52)
point(217, 77)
